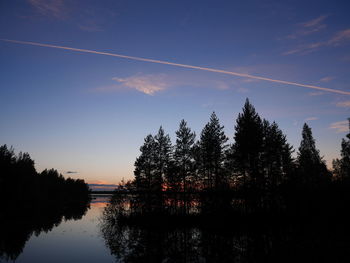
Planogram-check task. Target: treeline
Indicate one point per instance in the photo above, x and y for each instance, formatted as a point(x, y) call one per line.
point(256, 172)
point(21, 184)
point(33, 202)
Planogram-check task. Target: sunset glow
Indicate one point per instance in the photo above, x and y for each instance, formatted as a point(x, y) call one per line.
point(83, 82)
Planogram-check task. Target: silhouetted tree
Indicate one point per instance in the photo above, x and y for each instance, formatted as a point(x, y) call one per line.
point(248, 147)
point(163, 158)
point(257, 172)
point(312, 170)
point(212, 146)
point(152, 167)
point(276, 162)
point(145, 165)
point(341, 166)
point(183, 155)
point(277, 158)
point(184, 165)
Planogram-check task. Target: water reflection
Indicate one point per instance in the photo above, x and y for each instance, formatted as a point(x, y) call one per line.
point(235, 239)
point(19, 223)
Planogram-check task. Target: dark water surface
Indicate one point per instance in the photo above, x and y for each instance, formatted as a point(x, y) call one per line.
point(95, 235)
point(71, 239)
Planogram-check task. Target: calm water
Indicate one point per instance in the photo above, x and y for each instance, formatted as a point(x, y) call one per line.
point(70, 241)
point(92, 235)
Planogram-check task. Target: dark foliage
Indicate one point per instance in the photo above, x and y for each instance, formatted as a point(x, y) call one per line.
point(33, 202)
point(342, 166)
point(256, 173)
point(208, 201)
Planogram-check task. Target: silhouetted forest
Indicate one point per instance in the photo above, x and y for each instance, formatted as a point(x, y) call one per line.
point(206, 200)
point(256, 173)
point(33, 202)
point(20, 180)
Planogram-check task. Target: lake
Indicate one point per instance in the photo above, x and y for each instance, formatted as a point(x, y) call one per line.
point(70, 240)
point(92, 234)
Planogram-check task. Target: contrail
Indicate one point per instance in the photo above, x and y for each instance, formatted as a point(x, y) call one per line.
point(179, 65)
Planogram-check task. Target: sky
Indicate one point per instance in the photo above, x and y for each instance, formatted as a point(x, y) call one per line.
point(83, 82)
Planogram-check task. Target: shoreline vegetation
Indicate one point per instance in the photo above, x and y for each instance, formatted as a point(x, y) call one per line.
point(33, 202)
point(198, 200)
point(208, 201)
point(255, 174)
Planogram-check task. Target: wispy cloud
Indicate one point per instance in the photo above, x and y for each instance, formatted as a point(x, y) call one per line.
point(311, 119)
point(148, 84)
point(237, 74)
point(343, 104)
point(339, 38)
point(315, 22)
point(50, 8)
point(340, 126)
point(326, 79)
point(305, 48)
point(87, 17)
point(309, 27)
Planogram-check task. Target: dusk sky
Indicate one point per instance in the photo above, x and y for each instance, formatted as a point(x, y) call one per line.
point(87, 113)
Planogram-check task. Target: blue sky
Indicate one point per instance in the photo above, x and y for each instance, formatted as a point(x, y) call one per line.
point(89, 113)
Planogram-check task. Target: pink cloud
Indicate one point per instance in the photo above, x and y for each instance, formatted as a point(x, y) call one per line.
point(315, 22)
point(343, 104)
point(55, 8)
point(309, 27)
point(148, 84)
point(339, 38)
point(340, 126)
point(327, 79)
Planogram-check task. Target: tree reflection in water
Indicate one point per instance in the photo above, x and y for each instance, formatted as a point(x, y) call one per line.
point(18, 224)
point(164, 238)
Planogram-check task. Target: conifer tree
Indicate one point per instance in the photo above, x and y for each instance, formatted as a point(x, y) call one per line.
point(341, 166)
point(277, 155)
point(183, 155)
point(212, 146)
point(312, 169)
point(163, 158)
point(248, 146)
point(144, 165)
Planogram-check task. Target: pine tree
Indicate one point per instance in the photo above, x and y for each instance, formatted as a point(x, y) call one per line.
point(151, 167)
point(163, 157)
point(248, 146)
point(144, 165)
point(341, 166)
point(183, 155)
point(277, 156)
point(312, 170)
point(212, 146)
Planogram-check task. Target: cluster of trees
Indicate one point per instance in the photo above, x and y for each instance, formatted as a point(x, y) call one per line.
point(341, 166)
point(256, 168)
point(33, 202)
point(20, 180)
point(207, 200)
